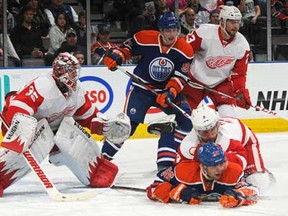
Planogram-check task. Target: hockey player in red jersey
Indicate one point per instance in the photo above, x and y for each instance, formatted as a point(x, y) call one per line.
point(236, 139)
point(163, 66)
point(220, 63)
point(213, 177)
point(57, 103)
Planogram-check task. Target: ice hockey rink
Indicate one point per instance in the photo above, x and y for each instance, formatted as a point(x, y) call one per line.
point(136, 161)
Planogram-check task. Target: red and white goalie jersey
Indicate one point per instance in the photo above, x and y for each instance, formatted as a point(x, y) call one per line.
point(221, 58)
point(237, 141)
point(41, 98)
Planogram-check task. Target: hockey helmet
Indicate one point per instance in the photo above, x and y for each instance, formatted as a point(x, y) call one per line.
point(168, 20)
point(204, 117)
point(230, 12)
point(66, 69)
point(211, 154)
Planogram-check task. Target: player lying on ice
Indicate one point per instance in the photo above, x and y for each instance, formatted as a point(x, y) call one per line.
point(47, 116)
point(212, 177)
point(239, 143)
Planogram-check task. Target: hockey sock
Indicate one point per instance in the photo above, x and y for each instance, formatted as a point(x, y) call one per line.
point(109, 149)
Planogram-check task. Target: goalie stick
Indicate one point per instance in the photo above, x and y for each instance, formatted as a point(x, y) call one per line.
point(256, 107)
point(140, 82)
point(50, 188)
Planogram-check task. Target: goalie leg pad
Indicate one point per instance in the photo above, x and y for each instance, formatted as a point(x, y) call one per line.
point(13, 165)
point(80, 151)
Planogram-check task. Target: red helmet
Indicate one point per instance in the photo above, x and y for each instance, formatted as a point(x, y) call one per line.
point(66, 69)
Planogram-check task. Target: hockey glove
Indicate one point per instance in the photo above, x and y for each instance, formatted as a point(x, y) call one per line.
point(115, 130)
point(243, 98)
point(239, 197)
point(113, 58)
point(20, 134)
point(182, 193)
point(160, 193)
point(166, 97)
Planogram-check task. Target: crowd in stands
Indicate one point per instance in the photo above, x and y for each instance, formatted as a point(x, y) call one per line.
point(31, 21)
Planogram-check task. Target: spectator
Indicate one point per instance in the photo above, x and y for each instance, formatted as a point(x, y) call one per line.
point(161, 8)
point(205, 7)
point(194, 4)
point(57, 6)
point(188, 21)
point(80, 56)
point(102, 46)
point(26, 37)
point(214, 17)
point(12, 55)
point(117, 13)
point(70, 45)
point(135, 18)
point(57, 36)
point(14, 7)
point(80, 28)
point(10, 19)
point(182, 5)
point(40, 17)
point(250, 10)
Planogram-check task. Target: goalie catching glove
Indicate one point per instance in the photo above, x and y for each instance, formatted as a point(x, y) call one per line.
point(115, 130)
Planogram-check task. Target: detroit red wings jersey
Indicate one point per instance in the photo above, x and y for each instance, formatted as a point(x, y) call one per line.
point(215, 59)
point(236, 139)
point(41, 98)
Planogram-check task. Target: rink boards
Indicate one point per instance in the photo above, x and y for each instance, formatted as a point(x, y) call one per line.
point(267, 83)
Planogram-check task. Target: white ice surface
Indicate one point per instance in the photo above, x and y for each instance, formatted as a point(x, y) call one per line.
point(136, 161)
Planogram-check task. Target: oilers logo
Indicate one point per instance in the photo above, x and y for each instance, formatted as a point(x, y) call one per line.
point(160, 69)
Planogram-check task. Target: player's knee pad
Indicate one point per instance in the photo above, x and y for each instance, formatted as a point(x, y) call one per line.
point(13, 165)
point(81, 154)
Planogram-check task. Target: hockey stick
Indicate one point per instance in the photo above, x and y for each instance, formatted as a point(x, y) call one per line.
point(213, 197)
point(256, 107)
point(140, 82)
point(48, 185)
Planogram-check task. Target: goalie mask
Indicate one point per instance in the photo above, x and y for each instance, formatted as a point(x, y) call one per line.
point(66, 70)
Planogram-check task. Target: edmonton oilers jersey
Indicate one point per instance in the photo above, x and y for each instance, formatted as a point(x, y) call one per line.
point(158, 65)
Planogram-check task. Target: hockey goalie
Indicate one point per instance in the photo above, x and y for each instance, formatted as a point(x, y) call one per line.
point(49, 116)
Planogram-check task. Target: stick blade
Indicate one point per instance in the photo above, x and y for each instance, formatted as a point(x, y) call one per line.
point(71, 197)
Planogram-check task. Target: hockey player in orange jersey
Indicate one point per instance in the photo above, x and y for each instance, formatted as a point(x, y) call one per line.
point(164, 67)
point(239, 143)
point(214, 177)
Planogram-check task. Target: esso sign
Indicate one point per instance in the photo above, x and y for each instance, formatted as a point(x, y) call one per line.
point(99, 92)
